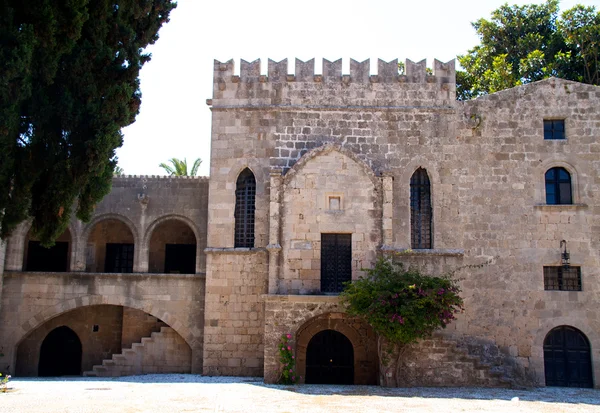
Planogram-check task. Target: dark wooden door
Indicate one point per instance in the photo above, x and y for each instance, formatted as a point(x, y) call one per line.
point(567, 358)
point(329, 359)
point(336, 262)
point(60, 354)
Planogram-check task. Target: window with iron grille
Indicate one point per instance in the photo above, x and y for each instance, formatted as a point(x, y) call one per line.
point(561, 278)
point(245, 194)
point(336, 262)
point(119, 258)
point(558, 187)
point(420, 210)
point(554, 129)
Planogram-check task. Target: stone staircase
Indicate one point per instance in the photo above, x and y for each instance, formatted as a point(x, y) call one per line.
point(162, 352)
point(440, 361)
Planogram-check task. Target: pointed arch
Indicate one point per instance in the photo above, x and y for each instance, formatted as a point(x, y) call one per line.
point(421, 211)
point(245, 206)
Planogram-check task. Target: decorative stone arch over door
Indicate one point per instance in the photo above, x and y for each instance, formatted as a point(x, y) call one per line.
point(360, 335)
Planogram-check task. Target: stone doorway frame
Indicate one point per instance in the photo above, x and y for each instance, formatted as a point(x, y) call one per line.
point(364, 361)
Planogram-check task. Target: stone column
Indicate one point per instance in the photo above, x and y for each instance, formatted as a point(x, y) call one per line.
point(387, 180)
point(274, 246)
point(2, 258)
point(78, 247)
point(14, 253)
point(141, 251)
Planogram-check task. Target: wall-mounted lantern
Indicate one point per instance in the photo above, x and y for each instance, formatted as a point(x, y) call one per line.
point(565, 257)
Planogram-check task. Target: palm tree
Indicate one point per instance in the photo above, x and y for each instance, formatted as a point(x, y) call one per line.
point(180, 167)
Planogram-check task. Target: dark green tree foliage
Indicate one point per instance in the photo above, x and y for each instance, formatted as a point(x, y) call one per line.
point(402, 304)
point(522, 44)
point(68, 84)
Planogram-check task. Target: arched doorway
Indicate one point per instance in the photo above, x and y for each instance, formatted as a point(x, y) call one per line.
point(60, 354)
point(329, 359)
point(567, 358)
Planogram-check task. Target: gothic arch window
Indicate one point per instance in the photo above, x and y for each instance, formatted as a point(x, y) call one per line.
point(245, 194)
point(420, 210)
point(558, 186)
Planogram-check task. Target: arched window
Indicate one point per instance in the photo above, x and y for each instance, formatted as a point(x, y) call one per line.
point(245, 193)
point(420, 210)
point(558, 187)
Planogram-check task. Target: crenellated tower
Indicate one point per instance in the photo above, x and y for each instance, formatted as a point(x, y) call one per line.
point(333, 88)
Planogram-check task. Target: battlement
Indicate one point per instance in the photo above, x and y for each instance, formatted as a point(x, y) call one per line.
point(277, 72)
point(158, 177)
point(332, 88)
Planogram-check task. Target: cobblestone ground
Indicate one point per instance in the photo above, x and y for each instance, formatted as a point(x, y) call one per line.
point(190, 393)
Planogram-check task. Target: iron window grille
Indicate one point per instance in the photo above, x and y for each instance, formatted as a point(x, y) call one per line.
point(420, 210)
point(336, 262)
point(558, 187)
point(245, 195)
point(119, 258)
point(554, 129)
point(562, 279)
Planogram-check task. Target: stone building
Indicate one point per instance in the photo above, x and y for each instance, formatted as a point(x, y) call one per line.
point(312, 177)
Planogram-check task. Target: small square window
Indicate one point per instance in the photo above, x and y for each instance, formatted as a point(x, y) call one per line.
point(335, 203)
point(554, 129)
point(562, 279)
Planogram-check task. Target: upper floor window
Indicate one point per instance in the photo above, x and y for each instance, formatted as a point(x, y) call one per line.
point(558, 187)
point(554, 129)
point(245, 194)
point(560, 278)
point(420, 210)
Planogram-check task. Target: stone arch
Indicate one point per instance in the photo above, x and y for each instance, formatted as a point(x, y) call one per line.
point(539, 335)
point(118, 300)
point(323, 150)
point(145, 244)
point(365, 359)
point(540, 178)
point(328, 191)
point(87, 232)
point(560, 355)
point(255, 167)
point(118, 217)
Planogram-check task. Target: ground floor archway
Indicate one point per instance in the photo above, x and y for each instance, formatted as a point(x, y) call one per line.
point(60, 354)
point(567, 358)
point(335, 348)
point(329, 359)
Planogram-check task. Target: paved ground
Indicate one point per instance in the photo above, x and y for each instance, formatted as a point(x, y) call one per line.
point(190, 393)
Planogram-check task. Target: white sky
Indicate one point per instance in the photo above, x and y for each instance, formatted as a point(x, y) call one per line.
point(174, 121)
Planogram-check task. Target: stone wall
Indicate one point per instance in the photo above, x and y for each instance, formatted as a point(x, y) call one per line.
point(303, 317)
point(329, 193)
point(233, 332)
point(138, 324)
point(130, 213)
point(34, 299)
point(96, 345)
point(485, 159)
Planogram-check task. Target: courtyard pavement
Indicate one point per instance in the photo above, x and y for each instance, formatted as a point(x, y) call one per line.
point(192, 393)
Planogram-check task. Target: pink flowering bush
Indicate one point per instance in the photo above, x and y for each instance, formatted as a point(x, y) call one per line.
point(287, 360)
point(401, 304)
